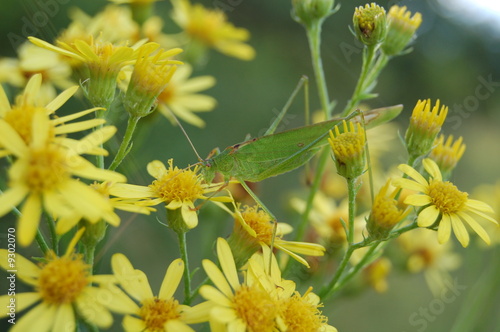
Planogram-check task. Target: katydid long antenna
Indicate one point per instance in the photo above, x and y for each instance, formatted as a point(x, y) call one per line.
point(186, 135)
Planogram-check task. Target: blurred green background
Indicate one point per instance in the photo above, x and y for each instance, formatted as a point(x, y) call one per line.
point(452, 56)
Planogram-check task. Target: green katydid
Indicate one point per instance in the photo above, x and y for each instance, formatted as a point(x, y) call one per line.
point(273, 154)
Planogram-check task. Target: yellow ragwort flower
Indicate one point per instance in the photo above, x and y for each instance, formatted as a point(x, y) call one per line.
point(400, 30)
point(295, 312)
point(236, 306)
point(425, 254)
point(425, 125)
point(385, 213)
point(19, 117)
point(62, 291)
point(151, 76)
point(42, 177)
point(443, 205)
point(181, 97)
point(254, 227)
point(148, 312)
point(447, 153)
point(348, 149)
point(370, 24)
point(34, 60)
point(210, 29)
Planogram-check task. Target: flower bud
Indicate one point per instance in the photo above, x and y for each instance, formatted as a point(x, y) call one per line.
point(446, 155)
point(348, 150)
point(400, 30)
point(425, 125)
point(307, 11)
point(370, 24)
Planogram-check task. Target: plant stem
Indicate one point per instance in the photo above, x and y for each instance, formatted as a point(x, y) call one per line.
point(125, 144)
point(369, 73)
point(352, 192)
point(41, 242)
point(53, 234)
point(314, 38)
point(187, 275)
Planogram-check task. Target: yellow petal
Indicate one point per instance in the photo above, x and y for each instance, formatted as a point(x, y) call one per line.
point(118, 301)
point(432, 168)
point(418, 200)
point(11, 198)
point(29, 220)
point(11, 141)
point(90, 308)
point(134, 282)
point(475, 226)
point(189, 215)
point(4, 103)
point(26, 270)
point(172, 279)
point(217, 277)
point(62, 98)
point(64, 319)
point(42, 314)
point(459, 230)
point(156, 169)
point(410, 171)
point(428, 216)
point(175, 325)
point(227, 263)
point(197, 314)
point(214, 295)
point(444, 229)
point(133, 324)
point(409, 184)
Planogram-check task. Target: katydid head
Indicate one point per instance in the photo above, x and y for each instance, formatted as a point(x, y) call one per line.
point(208, 170)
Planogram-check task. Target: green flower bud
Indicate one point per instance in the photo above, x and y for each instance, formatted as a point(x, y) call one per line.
point(370, 24)
point(307, 11)
point(400, 30)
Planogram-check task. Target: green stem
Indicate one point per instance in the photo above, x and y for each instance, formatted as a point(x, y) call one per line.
point(89, 255)
point(187, 275)
point(314, 38)
point(195, 291)
point(53, 234)
point(352, 192)
point(40, 240)
point(369, 55)
point(124, 146)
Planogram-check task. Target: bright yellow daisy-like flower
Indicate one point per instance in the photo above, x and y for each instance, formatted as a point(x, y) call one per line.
point(63, 290)
point(254, 227)
point(447, 153)
point(210, 29)
point(296, 312)
point(34, 60)
point(181, 97)
point(149, 312)
point(425, 254)
point(42, 177)
point(19, 116)
point(133, 202)
point(443, 205)
point(236, 306)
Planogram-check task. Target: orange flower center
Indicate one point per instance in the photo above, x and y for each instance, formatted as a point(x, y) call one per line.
point(46, 169)
point(446, 197)
point(63, 279)
point(156, 312)
point(256, 308)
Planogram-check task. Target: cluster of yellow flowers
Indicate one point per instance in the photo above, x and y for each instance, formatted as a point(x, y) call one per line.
point(56, 173)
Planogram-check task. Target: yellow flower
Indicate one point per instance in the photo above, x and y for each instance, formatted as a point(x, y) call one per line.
point(425, 125)
point(20, 116)
point(443, 205)
point(131, 201)
point(296, 312)
point(102, 61)
point(400, 30)
point(34, 60)
point(254, 227)
point(425, 254)
point(181, 97)
point(41, 176)
point(151, 76)
point(370, 24)
point(210, 29)
point(236, 306)
point(385, 213)
point(446, 155)
point(149, 312)
point(63, 289)
point(349, 149)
